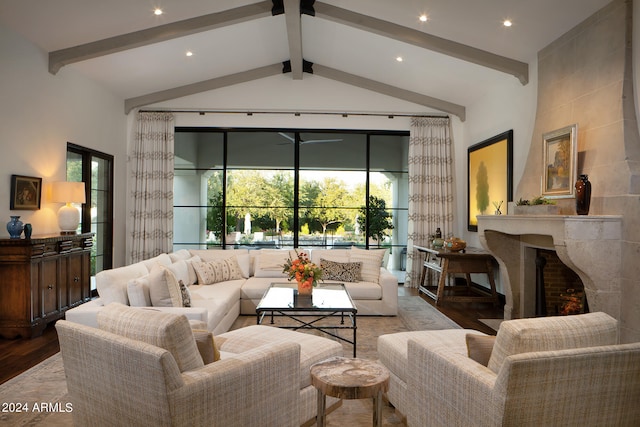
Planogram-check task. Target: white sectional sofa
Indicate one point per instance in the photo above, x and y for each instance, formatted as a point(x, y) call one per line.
point(148, 284)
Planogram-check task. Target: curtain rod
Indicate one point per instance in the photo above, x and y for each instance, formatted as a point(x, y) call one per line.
point(295, 113)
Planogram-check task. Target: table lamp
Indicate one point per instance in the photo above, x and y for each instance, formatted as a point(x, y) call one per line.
point(68, 193)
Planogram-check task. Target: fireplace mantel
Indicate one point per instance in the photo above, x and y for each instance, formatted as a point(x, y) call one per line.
point(590, 245)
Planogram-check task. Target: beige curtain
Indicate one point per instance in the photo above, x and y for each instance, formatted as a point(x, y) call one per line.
point(151, 196)
point(430, 188)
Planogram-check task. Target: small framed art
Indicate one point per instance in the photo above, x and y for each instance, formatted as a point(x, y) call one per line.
point(26, 192)
point(559, 162)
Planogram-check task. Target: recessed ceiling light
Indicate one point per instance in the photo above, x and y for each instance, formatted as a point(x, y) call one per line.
point(423, 18)
point(399, 59)
point(157, 11)
point(507, 23)
point(189, 53)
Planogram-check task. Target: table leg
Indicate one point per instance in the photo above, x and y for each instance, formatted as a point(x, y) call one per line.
point(442, 282)
point(322, 403)
point(377, 409)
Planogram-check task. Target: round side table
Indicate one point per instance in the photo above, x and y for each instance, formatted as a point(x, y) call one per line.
point(350, 379)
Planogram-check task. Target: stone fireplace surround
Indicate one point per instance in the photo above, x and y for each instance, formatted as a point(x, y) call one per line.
point(589, 245)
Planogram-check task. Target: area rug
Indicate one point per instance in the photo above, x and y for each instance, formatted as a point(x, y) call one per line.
point(38, 397)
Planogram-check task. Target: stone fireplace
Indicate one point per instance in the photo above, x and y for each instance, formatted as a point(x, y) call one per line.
point(585, 77)
point(589, 245)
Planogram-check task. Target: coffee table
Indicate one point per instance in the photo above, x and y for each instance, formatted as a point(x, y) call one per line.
point(328, 301)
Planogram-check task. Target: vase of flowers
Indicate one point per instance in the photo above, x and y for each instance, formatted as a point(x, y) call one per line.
point(304, 272)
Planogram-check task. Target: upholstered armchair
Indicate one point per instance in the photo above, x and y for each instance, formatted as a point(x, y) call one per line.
point(143, 369)
point(544, 371)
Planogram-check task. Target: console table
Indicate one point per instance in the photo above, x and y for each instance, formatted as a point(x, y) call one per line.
point(41, 278)
point(445, 262)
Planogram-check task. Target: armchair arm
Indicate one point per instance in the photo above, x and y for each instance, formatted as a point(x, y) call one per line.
point(255, 388)
point(449, 389)
point(389, 284)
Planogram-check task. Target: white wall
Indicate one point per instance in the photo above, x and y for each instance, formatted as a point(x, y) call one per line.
point(39, 114)
point(512, 106)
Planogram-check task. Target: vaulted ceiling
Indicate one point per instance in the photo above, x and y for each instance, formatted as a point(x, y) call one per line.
point(449, 61)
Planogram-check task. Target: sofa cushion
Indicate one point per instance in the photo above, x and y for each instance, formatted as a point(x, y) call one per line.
point(371, 262)
point(216, 271)
point(112, 284)
point(336, 255)
point(138, 292)
point(270, 262)
point(342, 271)
point(363, 290)
point(552, 333)
point(183, 254)
point(393, 348)
point(193, 277)
point(164, 289)
point(162, 259)
point(180, 269)
point(169, 331)
point(313, 349)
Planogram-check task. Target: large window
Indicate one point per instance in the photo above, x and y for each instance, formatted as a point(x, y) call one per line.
point(96, 170)
point(264, 188)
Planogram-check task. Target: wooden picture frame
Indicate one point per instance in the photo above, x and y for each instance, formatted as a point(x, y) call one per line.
point(26, 192)
point(559, 162)
point(490, 177)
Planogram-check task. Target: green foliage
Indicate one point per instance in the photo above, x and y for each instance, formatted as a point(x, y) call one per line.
point(482, 188)
point(380, 220)
point(539, 200)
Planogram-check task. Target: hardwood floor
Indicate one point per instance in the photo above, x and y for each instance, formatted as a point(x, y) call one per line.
point(16, 356)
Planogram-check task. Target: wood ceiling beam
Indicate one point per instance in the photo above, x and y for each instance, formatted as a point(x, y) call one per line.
point(203, 86)
point(385, 89)
point(294, 35)
point(424, 40)
point(60, 58)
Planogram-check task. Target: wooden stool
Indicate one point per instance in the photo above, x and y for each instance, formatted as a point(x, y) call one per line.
point(350, 379)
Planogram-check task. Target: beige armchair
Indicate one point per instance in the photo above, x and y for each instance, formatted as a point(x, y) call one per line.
point(147, 371)
point(545, 371)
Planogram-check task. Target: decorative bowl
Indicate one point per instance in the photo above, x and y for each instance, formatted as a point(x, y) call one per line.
point(455, 244)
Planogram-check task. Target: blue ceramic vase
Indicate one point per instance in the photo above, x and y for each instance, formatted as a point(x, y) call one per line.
point(15, 227)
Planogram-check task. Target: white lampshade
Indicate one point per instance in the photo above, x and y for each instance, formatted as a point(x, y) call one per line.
point(68, 192)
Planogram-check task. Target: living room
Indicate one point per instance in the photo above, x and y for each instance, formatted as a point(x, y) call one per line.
point(41, 112)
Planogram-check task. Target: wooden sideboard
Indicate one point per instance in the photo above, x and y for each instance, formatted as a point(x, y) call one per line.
point(41, 278)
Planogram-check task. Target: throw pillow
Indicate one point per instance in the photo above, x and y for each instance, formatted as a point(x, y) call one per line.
point(206, 346)
point(217, 271)
point(479, 347)
point(180, 269)
point(371, 263)
point(343, 271)
point(193, 277)
point(270, 262)
point(185, 293)
point(138, 292)
point(164, 289)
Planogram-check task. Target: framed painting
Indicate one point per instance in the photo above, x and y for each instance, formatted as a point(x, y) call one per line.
point(559, 162)
point(26, 192)
point(490, 177)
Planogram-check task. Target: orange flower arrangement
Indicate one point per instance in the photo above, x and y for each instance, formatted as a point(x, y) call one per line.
point(303, 271)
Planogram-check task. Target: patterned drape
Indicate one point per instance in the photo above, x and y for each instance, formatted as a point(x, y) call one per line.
point(430, 187)
point(151, 197)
